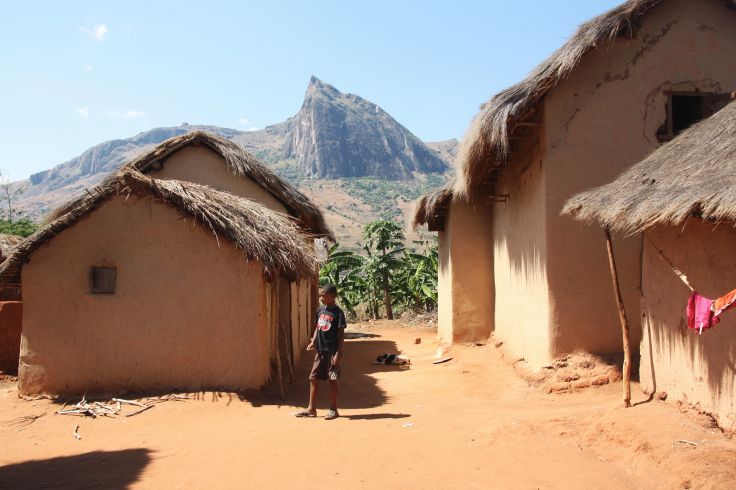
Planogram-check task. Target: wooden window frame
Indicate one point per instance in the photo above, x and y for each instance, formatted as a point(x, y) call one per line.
point(711, 98)
point(93, 287)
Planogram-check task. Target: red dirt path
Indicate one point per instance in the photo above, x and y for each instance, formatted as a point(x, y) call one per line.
point(469, 423)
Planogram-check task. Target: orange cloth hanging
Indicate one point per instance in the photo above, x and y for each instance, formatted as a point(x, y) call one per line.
point(725, 302)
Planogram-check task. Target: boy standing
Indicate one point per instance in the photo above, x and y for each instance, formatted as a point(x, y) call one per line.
point(328, 339)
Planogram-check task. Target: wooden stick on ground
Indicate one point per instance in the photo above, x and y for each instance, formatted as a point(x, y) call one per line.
point(622, 318)
point(75, 432)
point(140, 411)
point(129, 402)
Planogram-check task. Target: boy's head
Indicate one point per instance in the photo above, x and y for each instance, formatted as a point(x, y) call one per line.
point(328, 294)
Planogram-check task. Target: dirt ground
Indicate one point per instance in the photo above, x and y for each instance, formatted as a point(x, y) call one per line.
point(469, 423)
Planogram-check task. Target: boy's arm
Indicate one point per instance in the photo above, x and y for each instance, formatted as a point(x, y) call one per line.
point(340, 338)
point(310, 346)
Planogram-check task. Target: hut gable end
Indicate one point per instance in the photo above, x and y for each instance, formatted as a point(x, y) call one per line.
point(491, 142)
point(271, 188)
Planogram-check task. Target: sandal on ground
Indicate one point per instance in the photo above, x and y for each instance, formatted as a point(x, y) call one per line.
point(305, 414)
point(331, 415)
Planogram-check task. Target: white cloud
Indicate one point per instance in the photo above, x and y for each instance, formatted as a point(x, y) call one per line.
point(244, 123)
point(97, 31)
point(88, 67)
point(83, 112)
point(133, 115)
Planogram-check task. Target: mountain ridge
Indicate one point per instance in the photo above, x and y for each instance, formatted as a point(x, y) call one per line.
point(333, 137)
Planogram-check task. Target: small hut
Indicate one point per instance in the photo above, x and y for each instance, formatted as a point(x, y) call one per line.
point(683, 198)
point(11, 311)
point(156, 284)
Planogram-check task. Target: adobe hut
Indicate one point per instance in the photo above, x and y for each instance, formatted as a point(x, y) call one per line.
point(625, 82)
point(465, 269)
point(149, 284)
point(683, 198)
point(11, 311)
point(206, 159)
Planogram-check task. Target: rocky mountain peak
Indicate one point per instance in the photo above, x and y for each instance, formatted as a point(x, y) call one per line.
point(343, 135)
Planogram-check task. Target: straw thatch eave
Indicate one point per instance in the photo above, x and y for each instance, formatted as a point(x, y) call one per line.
point(432, 206)
point(271, 238)
point(486, 144)
point(242, 163)
point(692, 175)
point(7, 244)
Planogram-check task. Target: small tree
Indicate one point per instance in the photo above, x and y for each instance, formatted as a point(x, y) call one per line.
point(9, 193)
point(384, 244)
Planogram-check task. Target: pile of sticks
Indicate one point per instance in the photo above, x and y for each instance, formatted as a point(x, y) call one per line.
point(112, 408)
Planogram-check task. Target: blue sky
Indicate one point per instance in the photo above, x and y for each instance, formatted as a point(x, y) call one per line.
point(73, 74)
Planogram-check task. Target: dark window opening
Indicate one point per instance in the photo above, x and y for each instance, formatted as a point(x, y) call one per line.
point(688, 108)
point(686, 111)
point(102, 280)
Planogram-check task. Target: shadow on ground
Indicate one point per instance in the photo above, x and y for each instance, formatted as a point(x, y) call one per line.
point(360, 335)
point(358, 389)
point(98, 469)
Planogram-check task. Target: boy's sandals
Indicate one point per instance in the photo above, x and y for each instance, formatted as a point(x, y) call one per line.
point(305, 414)
point(331, 415)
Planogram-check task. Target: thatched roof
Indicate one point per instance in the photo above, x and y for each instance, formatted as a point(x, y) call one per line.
point(7, 243)
point(432, 205)
point(244, 164)
point(485, 146)
point(692, 175)
point(263, 235)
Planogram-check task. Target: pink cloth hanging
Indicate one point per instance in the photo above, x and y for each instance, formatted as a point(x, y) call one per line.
point(700, 313)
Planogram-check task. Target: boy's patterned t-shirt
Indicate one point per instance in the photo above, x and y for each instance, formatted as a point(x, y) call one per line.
point(329, 319)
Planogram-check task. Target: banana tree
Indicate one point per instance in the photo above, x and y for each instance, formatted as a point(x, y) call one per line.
point(343, 269)
point(385, 245)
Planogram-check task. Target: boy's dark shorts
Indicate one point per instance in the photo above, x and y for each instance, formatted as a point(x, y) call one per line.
point(322, 369)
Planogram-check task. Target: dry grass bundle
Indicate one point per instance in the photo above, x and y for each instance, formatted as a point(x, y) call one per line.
point(485, 146)
point(240, 163)
point(432, 205)
point(692, 175)
point(263, 235)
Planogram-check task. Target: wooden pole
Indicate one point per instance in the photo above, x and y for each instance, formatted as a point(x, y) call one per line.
point(287, 350)
point(277, 319)
point(622, 318)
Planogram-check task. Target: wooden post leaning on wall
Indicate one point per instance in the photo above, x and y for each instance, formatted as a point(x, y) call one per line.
point(622, 317)
point(286, 333)
point(277, 324)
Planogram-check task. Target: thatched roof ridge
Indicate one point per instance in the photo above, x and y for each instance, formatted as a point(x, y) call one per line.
point(7, 244)
point(692, 175)
point(266, 236)
point(486, 143)
point(242, 163)
point(432, 205)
